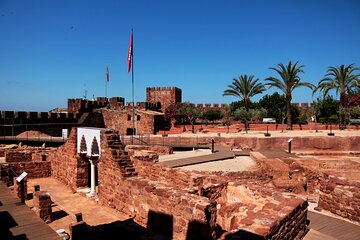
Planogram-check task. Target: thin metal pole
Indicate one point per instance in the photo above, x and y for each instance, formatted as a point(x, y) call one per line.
point(105, 87)
point(132, 81)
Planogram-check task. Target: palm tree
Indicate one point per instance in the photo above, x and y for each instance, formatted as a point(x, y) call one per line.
point(343, 80)
point(245, 87)
point(290, 80)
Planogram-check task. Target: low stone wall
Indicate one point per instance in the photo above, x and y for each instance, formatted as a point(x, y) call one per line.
point(161, 209)
point(160, 150)
point(16, 155)
point(159, 173)
point(2, 152)
point(34, 169)
point(263, 212)
point(336, 143)
point(340, 196)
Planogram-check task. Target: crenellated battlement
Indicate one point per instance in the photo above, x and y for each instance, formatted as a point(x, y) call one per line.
point(215, 106)
point(143, 106)
point(83, 105)
point(162, 89)
point(11, 117)
point(163, 96)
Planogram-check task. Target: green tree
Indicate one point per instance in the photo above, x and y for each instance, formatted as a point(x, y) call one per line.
point(289, 80)
point(258, 114)
point(325, 108)
point(188, 113)
point(238, 104)
point(244, 115)
point(226, 120)
point(245, 87)
point(343, 80)
point(274, 104)
point(355, 112)
point(212, 115)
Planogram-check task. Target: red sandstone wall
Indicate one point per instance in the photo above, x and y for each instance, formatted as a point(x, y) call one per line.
point(34, 169)
point(166, 96)
point(67, 165)
point(160, 208)
point(2, 152)
point(335, 143)
point(341, 197)
point(17, 155)
point(118, 120)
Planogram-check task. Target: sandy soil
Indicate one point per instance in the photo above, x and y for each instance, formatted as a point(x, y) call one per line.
point(184, 154)
point(237, 164)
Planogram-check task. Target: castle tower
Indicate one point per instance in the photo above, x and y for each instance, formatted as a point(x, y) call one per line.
point(164, 96)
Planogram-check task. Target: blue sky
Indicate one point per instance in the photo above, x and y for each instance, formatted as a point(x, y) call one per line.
point(54, 50)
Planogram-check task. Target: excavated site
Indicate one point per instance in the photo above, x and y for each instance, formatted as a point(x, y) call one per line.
point(267, 198)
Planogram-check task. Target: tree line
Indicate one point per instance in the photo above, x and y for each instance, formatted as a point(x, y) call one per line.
point(343, 79)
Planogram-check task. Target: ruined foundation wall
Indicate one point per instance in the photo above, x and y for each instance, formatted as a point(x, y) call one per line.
point(162, 209)
point(336, 143)
point(18, 156)
point(156, 172)
point(34, 169)
point(273, 215)
point(67, 166)
point(340, 196)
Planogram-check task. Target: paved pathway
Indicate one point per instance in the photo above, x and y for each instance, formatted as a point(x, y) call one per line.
point(17, 221)
point(328, 228)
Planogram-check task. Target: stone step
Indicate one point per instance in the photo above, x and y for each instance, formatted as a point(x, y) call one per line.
point(129, 169)
point(114, 137)
point(129, 174)
point(111, 132)
point(117, 152)
point(116, 146)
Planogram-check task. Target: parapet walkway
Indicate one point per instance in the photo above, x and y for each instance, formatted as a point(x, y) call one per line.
point(221, 153)
point(18, 221)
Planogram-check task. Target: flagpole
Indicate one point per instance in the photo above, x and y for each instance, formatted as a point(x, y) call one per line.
point(106, 79)
point(132, 81)
point(105, 86)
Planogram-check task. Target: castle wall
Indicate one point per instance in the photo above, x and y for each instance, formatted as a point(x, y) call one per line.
point(165, 95)
point(83, 105)
point(122, 120)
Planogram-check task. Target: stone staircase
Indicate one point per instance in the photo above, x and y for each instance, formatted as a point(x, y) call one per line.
point(119, 155)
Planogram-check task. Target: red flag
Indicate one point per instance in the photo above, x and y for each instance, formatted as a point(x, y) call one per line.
point(130, 53)
point(107, 74)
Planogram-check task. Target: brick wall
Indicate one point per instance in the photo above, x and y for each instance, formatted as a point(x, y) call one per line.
point(2, 152)
point(18, 155)
point(273, 215)
point(336, 143)
point(34, 169)
point(340, 196)
point(165, 95)
point(67, 165)
point(122, 120)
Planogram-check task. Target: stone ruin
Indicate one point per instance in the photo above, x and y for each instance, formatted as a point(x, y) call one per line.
point(182, 204)
point(265, 204)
